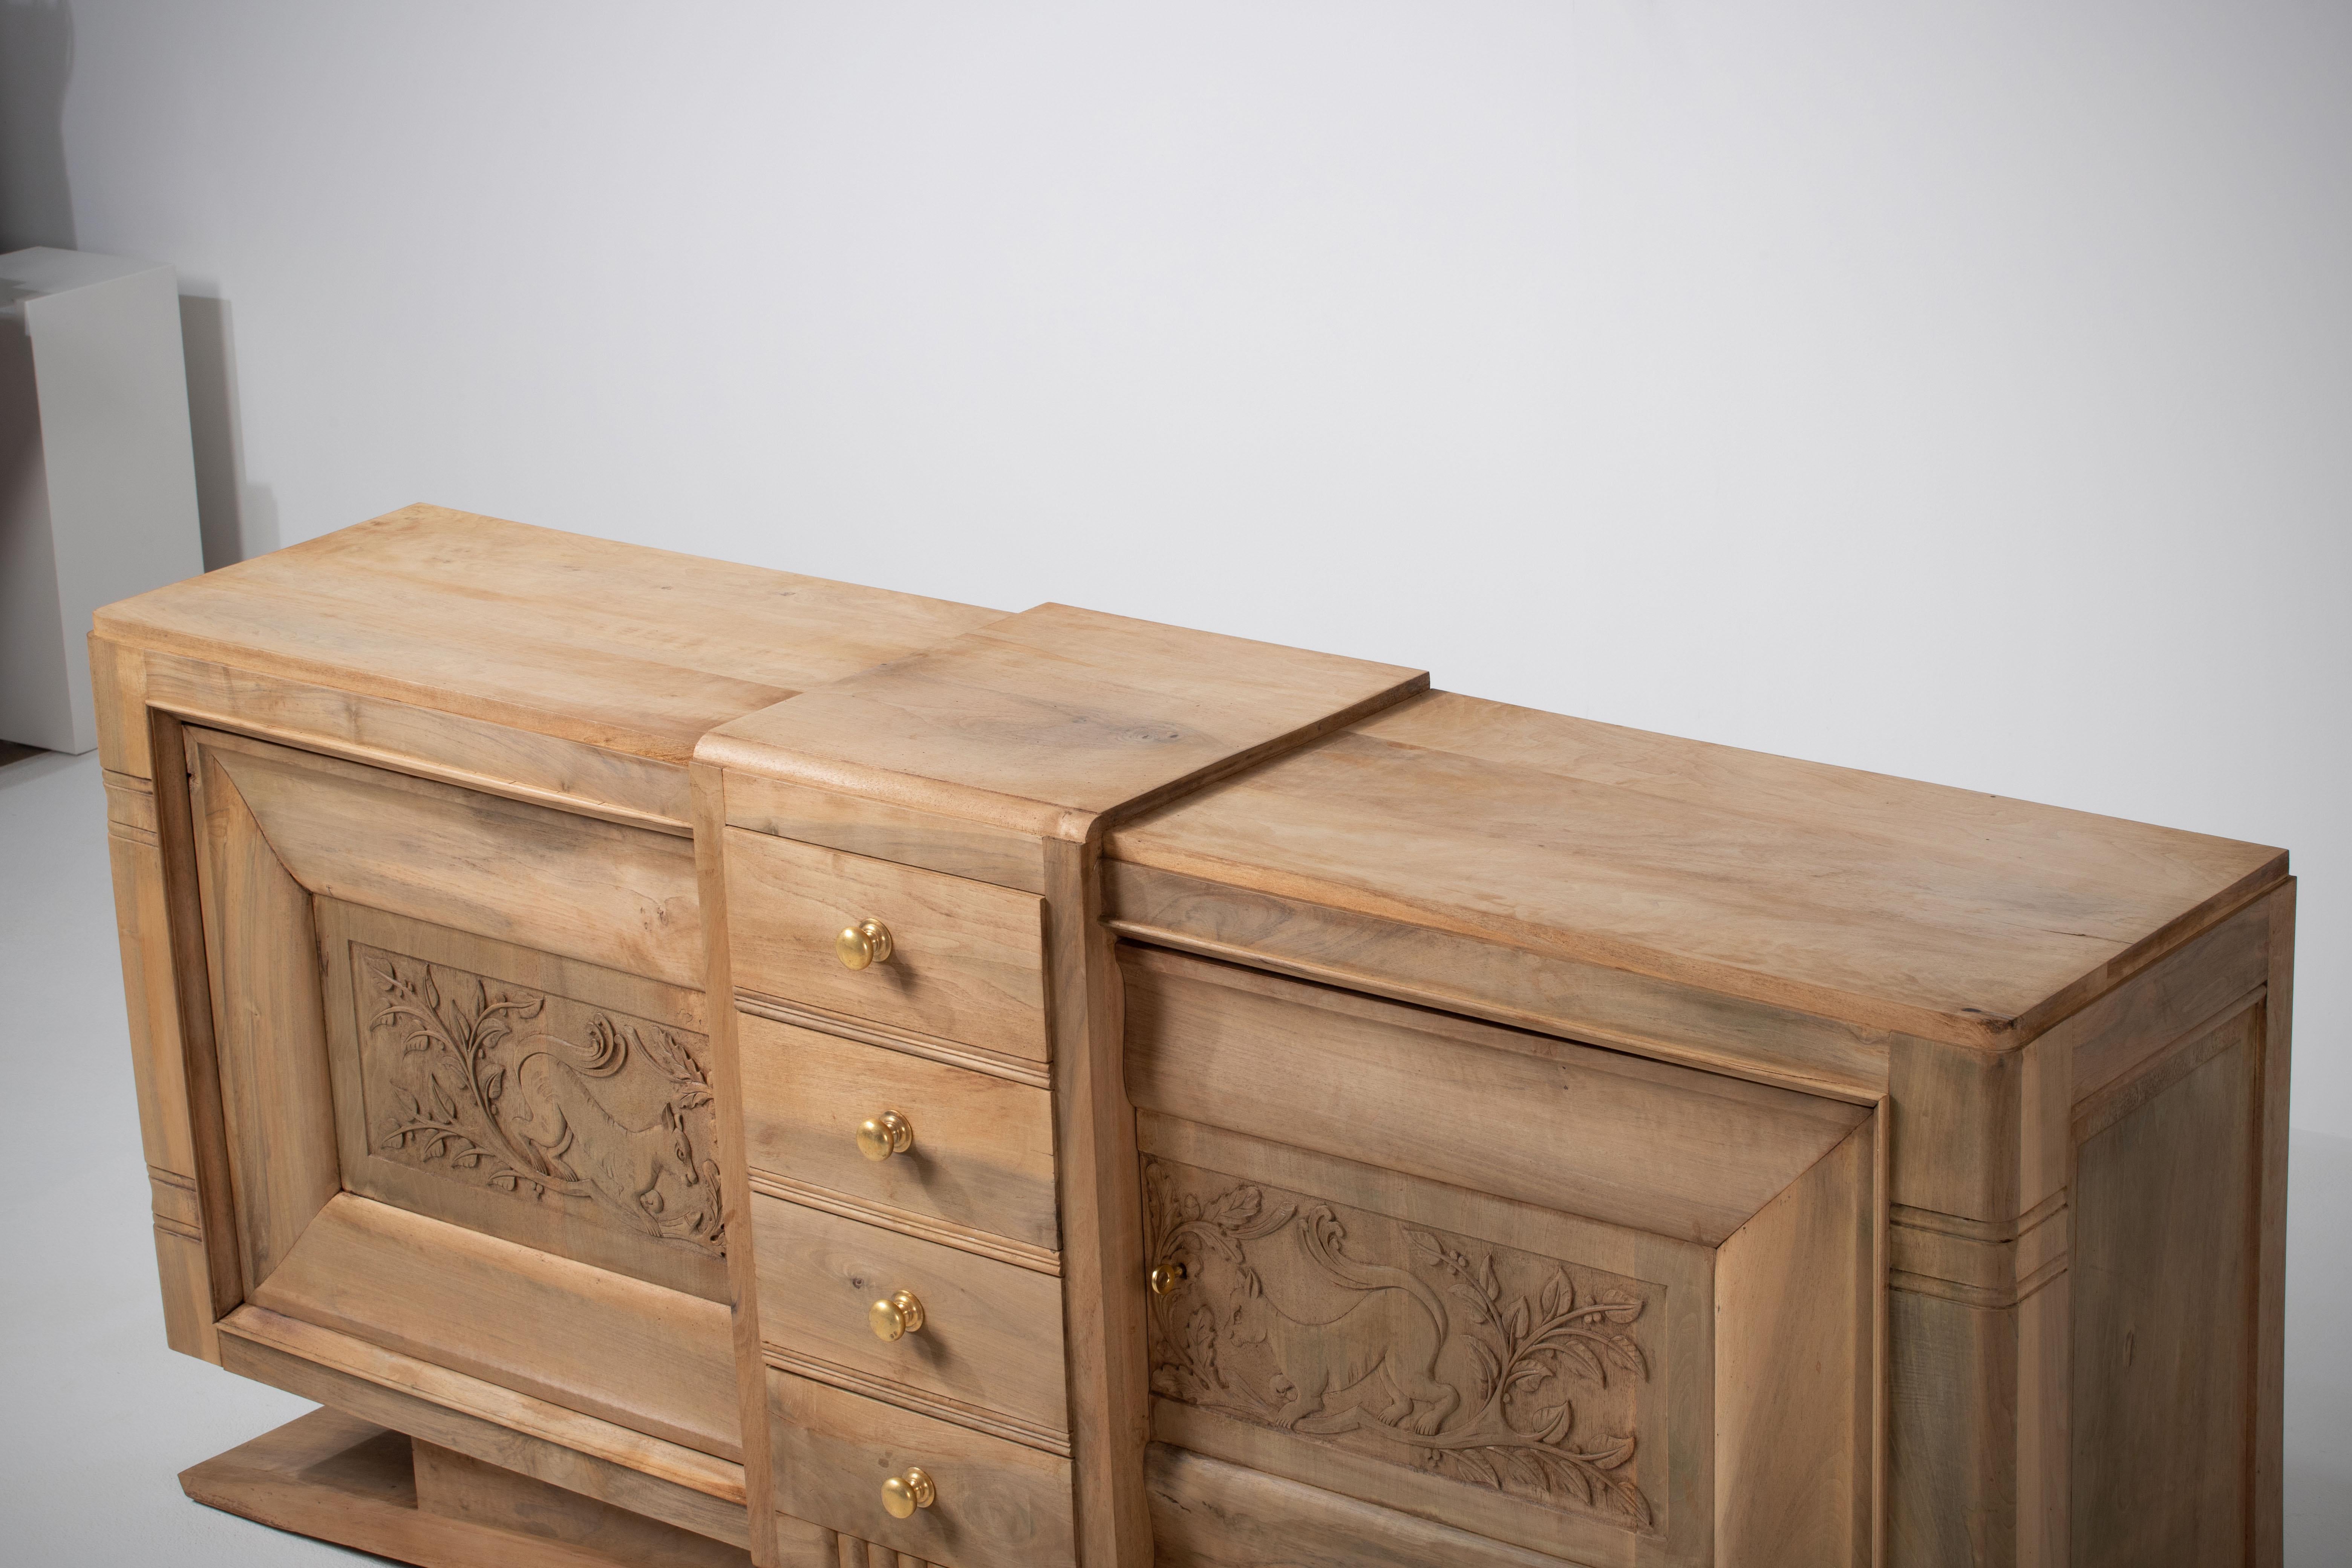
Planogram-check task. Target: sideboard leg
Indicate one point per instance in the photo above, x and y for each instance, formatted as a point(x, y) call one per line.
point(340, 1478)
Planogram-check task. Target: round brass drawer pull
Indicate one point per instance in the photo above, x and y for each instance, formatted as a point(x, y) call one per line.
point(880, 1137)
point(866, 943)
point(1167, 1276)
point(902, 1495)
point(895, 1316)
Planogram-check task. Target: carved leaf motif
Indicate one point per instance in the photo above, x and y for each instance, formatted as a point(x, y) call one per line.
point(1451, 1359)
point(537, 1115)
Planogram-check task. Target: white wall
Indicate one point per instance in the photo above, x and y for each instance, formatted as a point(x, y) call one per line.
point(1960, 391)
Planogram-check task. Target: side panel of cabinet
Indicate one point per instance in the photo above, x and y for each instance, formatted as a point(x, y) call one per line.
point(2164, 1323)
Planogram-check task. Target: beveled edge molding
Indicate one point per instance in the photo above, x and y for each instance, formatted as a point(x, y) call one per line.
point(129, 806)
point(175, 1208)
point(923, 1227)
point(1978, 1263)
point(995, 1422)
point(1580, 1002)
point(331, 722)
point(340, 1358)
point(2183, 1054)
point(949, 1053)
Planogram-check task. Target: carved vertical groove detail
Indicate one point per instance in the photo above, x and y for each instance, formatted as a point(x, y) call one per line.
point(539, 1096)
point(1490, 1366)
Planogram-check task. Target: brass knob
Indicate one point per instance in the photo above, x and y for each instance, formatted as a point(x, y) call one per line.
point(902, 1495)
point(866, 943)
point(895, 1316)
point(880, 1137)
point(1166, 1278)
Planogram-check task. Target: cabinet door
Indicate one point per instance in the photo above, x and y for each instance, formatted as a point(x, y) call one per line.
point(463, 1075)
point(1424, 1281)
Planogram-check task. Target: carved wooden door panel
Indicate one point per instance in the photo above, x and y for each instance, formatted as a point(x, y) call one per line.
point(553, 1103)
point(462, 1074)
point(1418, 1279)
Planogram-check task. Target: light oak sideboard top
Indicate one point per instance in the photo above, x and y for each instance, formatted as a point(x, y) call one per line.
point(703, 1064)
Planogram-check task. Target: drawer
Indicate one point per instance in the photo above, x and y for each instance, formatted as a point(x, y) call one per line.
point(982, 1153)
point(991, 1343)
point(967, 959)
point(997, 1504)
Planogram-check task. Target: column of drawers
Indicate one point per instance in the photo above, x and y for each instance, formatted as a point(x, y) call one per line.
point(898, 1133)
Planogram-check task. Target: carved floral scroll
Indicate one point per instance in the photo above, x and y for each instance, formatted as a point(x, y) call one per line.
point(1494, 1367)
point(535, 1095)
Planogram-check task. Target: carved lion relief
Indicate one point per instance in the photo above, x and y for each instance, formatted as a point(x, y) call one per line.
point(1493, 1367)
point(533, 1094)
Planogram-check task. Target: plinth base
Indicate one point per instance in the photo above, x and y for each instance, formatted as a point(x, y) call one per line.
point(342, 1479)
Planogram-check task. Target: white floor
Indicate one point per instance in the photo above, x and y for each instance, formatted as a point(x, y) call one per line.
point(97, 1417)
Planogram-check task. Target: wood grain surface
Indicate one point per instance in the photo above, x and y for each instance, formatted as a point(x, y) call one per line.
point(1659, 1147)
point(610, 645)
point(341, 1479)
point(1796, 1295)
point(601, 1144)
point(269, 1025)
point(968, 959)
point(1000, 1504)
point(2163, 1271)
point(656, 1359)
point(1045, 721)
point(992, 1336)
point(1206, 1513)
point(515, 1431)
point(983, 1156)
point(620, 897)
point(1887, 903)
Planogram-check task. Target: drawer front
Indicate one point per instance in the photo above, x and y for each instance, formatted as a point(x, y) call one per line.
point(991, 1342)
point(967, 961)
point(982, 1154)
point(998, 1504)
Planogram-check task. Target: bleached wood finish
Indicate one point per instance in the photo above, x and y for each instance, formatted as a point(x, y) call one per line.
point(983, 1158)
point(529, 669)
point(967, 959)
point(608, 645)
point(990, 1338)
point(143, 923)
point(532, 1436)
point(1206, 1513)
point(1659, 1147)
point(637, 1354)
point(1369, 1293)
point(1042, 727)
point(622, 897)
point(1889, 904)
point(1000, 1505)
point(270, 1023)
point(345, 1479)
point(769, 1541)
point(604, 1145)
point(1043, 723)
point(1796, 1353)
point(497, 759)
point(456, 1486)
point(878, 831)
point(477, 887)
point(2164, 1340)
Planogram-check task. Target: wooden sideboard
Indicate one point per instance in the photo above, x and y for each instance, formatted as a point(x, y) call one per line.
point(697, 1064)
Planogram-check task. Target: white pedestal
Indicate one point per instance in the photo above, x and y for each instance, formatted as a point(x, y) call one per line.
point(98, 485)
